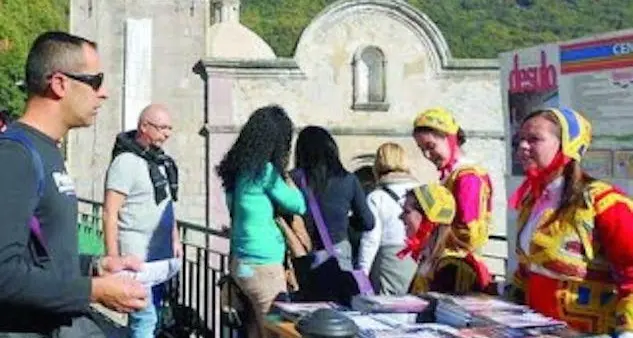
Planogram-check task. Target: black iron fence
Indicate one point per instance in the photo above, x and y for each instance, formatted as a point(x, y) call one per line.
point(205, 260)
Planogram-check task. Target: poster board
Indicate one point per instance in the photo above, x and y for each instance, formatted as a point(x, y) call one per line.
point(623, 164)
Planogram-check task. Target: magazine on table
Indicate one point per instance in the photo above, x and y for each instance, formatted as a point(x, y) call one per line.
point(428, 330)
point(294, 310)
point(389, 303)
point(378, 325)
point(391, 320)
point(476, 303)
point(487, 311)
point(500, 331)
point(491, 331)
point(520, 319)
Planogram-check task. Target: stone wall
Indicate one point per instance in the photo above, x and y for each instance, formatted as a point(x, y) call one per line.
point(178, 35)
point(316, 87)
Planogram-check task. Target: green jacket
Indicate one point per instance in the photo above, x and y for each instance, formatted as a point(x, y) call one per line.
point(255, 236)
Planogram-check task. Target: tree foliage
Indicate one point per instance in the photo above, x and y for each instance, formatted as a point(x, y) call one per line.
point(472, 28)
point(20, 22)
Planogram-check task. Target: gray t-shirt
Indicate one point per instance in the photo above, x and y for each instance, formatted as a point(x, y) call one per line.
point(144, 227)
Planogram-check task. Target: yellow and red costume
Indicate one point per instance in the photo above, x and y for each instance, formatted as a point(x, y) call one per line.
point(469, 184)
point(440, 269)
point(575, 264)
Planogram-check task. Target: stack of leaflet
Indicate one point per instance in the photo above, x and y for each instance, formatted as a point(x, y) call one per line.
point(377, 325)
point(495, 313)
point(492, 331)
point(294, 310)
point(453, 315)
point(520, 319)
point(426, 330)
point(156, 272)
point(500, 331)
point(389, 304)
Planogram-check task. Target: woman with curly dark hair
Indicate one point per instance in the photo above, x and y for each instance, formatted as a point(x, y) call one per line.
point(252, 173)
point(338, 191)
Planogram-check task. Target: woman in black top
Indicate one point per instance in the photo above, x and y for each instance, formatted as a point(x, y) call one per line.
point(337, 191)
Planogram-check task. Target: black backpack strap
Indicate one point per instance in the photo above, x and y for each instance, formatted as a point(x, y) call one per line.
point(391, 193)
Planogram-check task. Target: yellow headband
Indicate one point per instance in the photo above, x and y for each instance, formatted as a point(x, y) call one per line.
point(438, 119)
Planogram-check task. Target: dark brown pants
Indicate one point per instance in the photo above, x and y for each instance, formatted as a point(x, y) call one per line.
point(81, 327)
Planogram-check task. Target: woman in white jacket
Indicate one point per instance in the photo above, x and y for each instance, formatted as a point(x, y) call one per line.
point(377, 254)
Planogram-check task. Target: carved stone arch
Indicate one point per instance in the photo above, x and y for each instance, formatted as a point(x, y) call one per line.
point(417, 22)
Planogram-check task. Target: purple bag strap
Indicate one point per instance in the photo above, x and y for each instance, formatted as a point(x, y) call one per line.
point(363, 283)
point(316, 214)
point(36, 229)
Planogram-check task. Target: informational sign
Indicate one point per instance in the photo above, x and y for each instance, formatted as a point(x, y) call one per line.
point(591, 75)
point(529, 79)
point(597, 77)
point(623, 164)
point(598, 162)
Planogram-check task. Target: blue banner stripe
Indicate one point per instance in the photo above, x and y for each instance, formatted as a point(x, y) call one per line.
point(586, 53)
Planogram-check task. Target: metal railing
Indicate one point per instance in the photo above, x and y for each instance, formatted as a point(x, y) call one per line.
point(205, 260)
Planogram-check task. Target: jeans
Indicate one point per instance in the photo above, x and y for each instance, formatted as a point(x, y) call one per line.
point(143, 323)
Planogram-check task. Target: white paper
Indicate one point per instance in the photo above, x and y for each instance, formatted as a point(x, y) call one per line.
point(156, 272)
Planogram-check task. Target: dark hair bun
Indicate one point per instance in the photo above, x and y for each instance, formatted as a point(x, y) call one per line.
point(461, 137)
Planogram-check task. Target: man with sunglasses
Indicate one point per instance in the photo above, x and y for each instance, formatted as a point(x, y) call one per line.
point(138, 212)
point(43, 290)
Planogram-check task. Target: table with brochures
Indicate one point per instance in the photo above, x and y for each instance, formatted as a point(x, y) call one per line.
point(430, 315)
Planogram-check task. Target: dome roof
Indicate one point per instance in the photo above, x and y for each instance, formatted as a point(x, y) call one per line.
point(235, 41)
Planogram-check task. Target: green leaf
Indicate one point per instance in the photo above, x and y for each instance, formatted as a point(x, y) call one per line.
point(20, 23)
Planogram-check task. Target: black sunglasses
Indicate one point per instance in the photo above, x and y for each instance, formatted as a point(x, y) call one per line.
point(93, 80)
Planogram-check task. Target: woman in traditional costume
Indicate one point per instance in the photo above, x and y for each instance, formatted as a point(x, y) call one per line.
point(439, 137)
point(428, 213)
point(574, 242)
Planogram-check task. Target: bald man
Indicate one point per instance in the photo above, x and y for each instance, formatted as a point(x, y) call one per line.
point(138, 214)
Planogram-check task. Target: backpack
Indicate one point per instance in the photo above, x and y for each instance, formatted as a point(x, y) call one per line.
point(17, 135)
point(109, 328)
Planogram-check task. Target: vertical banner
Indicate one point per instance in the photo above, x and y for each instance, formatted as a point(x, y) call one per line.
point(529, 81)
point(137, 81)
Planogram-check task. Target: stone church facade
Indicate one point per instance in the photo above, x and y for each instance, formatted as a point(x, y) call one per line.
point(361, 68)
